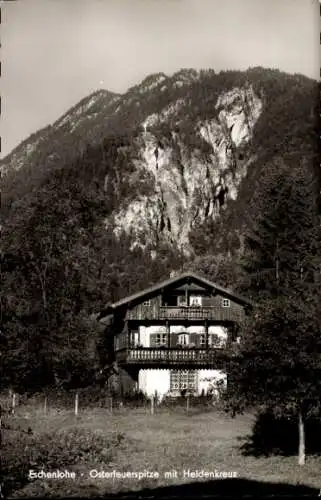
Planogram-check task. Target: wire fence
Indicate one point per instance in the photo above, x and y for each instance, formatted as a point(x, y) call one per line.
point(83, 400)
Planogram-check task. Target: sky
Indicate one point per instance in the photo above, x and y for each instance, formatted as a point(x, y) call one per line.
point(55, 52)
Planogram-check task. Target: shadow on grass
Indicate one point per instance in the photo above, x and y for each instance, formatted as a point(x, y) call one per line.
point(222, 488)
point(279, 436)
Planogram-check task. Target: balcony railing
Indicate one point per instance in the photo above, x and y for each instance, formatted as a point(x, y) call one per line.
point(148, 355)
point(214, 313)
point(188, 313)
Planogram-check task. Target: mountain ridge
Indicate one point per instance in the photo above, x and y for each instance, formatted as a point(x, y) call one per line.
point(192, 142)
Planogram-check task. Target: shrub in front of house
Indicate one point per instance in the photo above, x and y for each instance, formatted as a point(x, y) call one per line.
point(135, 399)
point(23, 451)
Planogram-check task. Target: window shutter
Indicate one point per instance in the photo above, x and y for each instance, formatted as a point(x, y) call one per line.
point(174, 339)
point(193, 338)
point(198, 340)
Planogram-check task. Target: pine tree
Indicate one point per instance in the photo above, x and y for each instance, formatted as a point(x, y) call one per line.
point(280, 359)
point(283, 238)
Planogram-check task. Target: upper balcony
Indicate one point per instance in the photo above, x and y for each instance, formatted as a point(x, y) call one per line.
point(213, 313)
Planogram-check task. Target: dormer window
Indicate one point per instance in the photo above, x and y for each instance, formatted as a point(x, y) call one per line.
point(147, 303)
point(226, 302)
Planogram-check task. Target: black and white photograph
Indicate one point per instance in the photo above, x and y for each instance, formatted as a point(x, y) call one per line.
point(160, 295)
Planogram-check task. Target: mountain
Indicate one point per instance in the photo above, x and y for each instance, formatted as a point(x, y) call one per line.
point(124, 189)
point(178, 156)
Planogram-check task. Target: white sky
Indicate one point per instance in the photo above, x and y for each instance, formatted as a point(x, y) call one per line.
point(55, 52)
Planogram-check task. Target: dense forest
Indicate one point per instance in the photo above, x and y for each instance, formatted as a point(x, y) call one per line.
point(62, 261)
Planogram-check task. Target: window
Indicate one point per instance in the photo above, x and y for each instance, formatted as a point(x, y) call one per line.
point(182, 339)
point(195, 301)
point(134, 338)
point(215, 340)
point(181, 300)
point(147, 303)
point(183, 379)
point(226, 302)
point(161, 339)
point(202, 340)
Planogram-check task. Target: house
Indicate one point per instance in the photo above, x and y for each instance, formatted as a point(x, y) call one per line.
point(177, 335)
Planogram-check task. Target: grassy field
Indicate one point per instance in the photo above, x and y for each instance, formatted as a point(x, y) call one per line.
point(166, 441)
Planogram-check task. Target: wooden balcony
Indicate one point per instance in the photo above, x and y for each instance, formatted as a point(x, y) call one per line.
point(220, 314)
point(174, 356)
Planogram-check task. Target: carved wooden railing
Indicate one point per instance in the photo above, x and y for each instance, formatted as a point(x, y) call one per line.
point(188, 313)
point(171, 355)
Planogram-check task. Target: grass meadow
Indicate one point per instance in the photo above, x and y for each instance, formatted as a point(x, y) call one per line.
point(135, 440)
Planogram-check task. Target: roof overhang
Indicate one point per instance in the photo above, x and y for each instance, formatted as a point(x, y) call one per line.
point(151, 291)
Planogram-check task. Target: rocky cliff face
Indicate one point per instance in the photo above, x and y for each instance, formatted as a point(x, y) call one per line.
point(193, 141)
point(190, 185)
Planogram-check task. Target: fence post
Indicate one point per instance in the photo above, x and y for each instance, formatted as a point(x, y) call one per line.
point(152, 401)
point(45, 405)
point(111, 405)
point(187, 402)
point(13, 403)
point(76, 404)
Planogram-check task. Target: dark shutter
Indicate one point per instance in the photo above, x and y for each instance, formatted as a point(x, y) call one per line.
point(198, 339)
point(193, 338)
point(174, 339)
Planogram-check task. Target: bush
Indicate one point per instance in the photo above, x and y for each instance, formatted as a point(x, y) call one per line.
point(22, 451)
point(180, 401)
point(278, 435)
point(136, 400)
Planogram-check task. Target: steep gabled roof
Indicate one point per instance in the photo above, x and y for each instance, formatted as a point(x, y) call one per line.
point(110, 308)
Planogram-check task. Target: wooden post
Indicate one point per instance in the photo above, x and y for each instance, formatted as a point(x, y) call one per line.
point(168, 334)
point(111, 405)
point(187, 402)
point(76, 404)
point(301, 453)
point(206, 335)
point(127, 330)
point(13, 403)
point(45, 405)
point(152, 405)
point(10, 399)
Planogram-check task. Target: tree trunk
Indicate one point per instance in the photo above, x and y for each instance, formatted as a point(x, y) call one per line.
point(301, 456)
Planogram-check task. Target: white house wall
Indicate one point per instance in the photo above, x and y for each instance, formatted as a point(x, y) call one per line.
point(177, 329)
point(154, 380)
point(195, 329)
point(221, 331)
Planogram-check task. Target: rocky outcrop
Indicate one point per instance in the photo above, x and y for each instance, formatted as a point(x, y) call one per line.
point(181, 149)
point(190, 185)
